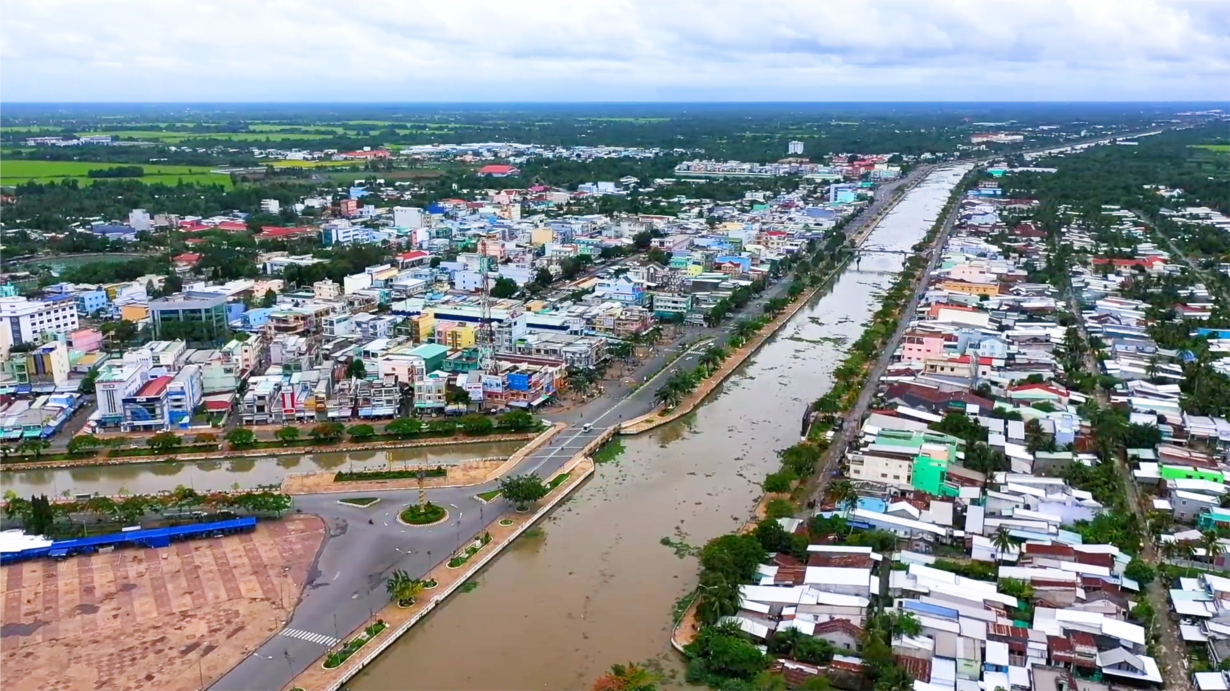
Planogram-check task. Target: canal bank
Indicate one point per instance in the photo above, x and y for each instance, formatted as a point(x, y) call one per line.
point(598, 585)
point(247, 473)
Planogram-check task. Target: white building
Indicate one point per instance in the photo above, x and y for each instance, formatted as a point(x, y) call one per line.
point(270, 206)
point(407, 217)
point(113, 385)
point(326, 290)
point(794, 148)
point(140, 219)
point(23, 320)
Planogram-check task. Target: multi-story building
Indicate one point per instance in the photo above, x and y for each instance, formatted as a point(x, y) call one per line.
point(46, 364)
point(198, 316)
point(91, 301)
point(326, 289)
point(407, 217)
point(262, 402)
point(270, 206)
point(794, 148)
point(23, 320)
point(668, 304)
point(115, 383)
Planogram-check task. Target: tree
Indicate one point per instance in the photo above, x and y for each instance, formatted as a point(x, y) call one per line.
point(83, 442)
point(517, 420)
point(629, 677)
point(328, 431)
point(165, 441)
point(504, 288)
point(477, 425)
point(240, 436)
point(1210, 542)
point(205, 438)
point(404, 426)
point(523, 490)
point(363, 431)
point(356, 369)
point(1140, 571)
point(725, 651)
point(34, 445)
point(457, 396)
point(270, 298)
point(287, 434)
point(543, 278)
point(1003, 543)
point(781, 481)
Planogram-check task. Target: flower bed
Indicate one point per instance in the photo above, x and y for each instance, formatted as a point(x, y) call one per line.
point(460, 559)
point(360, 475)
point(506, 522)
point(337, 657)
point(423, 515)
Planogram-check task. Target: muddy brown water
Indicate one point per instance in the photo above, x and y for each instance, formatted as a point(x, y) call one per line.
point(595, 586)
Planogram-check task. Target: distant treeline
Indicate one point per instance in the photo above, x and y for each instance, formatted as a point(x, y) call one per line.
point(117, 172)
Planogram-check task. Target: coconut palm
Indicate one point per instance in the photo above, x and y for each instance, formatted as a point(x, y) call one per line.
point(843, 494)
point(1210, 541)
point(1003, 543)
point(668, 395)
point(717, 600)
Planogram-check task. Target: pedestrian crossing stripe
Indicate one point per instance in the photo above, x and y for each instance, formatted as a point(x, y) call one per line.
point(320, 638)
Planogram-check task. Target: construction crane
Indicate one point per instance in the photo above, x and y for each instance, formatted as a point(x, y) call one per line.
point(486, 329)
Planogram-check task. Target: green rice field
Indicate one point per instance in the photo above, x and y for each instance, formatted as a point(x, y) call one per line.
point(17, 171)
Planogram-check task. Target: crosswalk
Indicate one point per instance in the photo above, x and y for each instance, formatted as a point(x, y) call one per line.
point(320, 638)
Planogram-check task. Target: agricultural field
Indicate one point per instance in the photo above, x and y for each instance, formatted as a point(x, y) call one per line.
point(1219, 148)
point(15, 171)
point(176, 137)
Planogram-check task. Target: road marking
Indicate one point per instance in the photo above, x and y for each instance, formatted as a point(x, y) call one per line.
point(318, 638)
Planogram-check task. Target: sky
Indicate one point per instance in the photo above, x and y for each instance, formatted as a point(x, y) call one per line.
point(613, 50)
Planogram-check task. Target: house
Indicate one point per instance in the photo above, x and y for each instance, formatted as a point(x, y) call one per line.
point(498, 170)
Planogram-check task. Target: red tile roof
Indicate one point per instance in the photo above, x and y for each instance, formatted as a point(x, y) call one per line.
point(918, 668)
point(497, 169)
point(153, 387)
point(280, 232)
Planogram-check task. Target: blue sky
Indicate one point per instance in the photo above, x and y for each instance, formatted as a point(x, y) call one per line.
point(615, 50)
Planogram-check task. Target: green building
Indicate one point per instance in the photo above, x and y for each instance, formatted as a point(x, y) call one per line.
point(1175, 472)
point(433, 355)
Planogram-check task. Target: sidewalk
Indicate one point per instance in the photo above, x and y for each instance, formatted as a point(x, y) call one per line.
point(399, 620)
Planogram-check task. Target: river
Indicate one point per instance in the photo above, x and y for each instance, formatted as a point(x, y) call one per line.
point(147, 478)
point(595, 586)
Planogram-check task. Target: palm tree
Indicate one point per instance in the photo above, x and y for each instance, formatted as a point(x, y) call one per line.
point(843, 494)
point(1210, 541)
point(667, 395)
point(629, 677)
point(720, 599)
point(1003, 543)
point(402, 588)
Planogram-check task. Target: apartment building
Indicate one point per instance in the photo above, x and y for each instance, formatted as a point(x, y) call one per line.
point(23, 320)
point(113, 385)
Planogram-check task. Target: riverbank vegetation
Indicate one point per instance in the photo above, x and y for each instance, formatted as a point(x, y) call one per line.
point(337, 657)
point(75, 517)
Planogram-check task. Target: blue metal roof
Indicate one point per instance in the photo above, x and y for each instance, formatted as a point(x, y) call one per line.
point(149, 537)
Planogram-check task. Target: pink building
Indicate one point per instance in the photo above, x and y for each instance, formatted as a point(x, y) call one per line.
point(919, 346)
point(86, 340)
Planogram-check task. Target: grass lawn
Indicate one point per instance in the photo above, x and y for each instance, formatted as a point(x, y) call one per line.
point(15, 171)
point(488, 496)
point(359, 475)
point(361, 502)
point(557, 480)
point(416, 515)
point(1213, 147)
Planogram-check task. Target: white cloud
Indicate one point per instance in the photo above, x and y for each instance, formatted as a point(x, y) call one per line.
point(472, 50)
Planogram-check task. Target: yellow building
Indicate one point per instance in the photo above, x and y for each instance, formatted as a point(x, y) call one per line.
point(542, 236)
point(968, 288)
point(133, 313)
point(456, 335)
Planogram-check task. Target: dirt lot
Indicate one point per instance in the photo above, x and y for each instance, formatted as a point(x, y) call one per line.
point(170, 618)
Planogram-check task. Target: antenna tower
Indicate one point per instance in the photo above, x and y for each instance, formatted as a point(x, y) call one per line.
point(486, 332)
